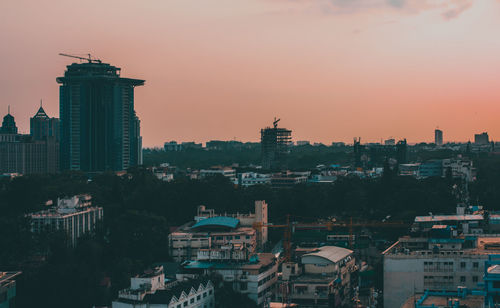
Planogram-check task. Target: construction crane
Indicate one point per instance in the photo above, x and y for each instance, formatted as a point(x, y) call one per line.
point(89, 58)
point(350, 225)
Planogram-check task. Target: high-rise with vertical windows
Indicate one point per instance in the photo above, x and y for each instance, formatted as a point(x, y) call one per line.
point(99, 126)
point(275, 146)
point(438, 137)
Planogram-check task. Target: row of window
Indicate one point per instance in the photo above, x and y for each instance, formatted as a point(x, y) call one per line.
point(463, 265)
point(463, 279)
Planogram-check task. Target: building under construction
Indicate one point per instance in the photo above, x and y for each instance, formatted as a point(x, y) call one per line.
point(275, 143)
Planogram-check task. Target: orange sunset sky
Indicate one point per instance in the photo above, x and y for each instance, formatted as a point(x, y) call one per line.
point(222, 69)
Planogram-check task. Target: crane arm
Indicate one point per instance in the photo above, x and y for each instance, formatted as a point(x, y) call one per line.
point(81, 58)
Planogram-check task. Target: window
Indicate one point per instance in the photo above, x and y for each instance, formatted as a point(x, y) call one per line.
point(475, 264)
point(198, 297)
point(236, 237)
point(191, 301)
point(210, 292)
point(179, 306)
point(462, 279)
point(475, 279)
point(462, 265)
point(185, 303)
point(204, 294)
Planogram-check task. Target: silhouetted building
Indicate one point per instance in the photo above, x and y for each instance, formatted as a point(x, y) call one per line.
point(99, 128)
point(26, 154)
point(481, 139)
point(42, 127)
point(275, 145)
point(402, 152)
point(438, 137)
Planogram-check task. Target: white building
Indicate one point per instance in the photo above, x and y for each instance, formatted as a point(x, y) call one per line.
point(222, 237)
point(224, 171)
point(253, 178)
point(152, 290)
point(322, 279)
point(255, 277)
point(75, 215)
point(413, 265)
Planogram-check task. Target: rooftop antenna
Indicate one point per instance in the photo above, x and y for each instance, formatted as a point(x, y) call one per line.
point(41, 105)
point(8, 109)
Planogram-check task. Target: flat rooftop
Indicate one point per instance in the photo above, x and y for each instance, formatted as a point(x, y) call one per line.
point(471, 301)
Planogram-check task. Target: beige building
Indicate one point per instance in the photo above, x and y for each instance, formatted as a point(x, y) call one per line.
point(220, 237)
point(321, 279)
point(413, 265)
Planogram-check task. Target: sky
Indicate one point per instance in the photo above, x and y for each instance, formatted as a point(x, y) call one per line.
point(331, 70)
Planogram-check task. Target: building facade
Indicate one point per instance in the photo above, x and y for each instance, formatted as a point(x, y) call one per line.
point(28, 154)
point(254, 277)
point(151, 289)
point(76, 216)
point(321, 279)
point(438, 137)
point(275, 146)
point(99, 127)
point(220, 237)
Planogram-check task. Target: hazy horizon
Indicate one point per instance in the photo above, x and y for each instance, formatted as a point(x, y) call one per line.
point(330, 69)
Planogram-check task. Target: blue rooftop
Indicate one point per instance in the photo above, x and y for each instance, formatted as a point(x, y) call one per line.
point(218, 221)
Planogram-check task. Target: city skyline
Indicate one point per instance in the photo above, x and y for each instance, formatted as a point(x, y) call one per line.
point(224, 72)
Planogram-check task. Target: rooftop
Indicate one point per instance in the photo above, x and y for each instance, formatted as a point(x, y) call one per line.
point(218, 221)
point(333, 254)
point(435, 218)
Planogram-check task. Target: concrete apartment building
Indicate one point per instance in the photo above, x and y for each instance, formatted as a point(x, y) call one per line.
point(321, 279)
point(414, 265)
point(211, 236)
point(254, 277)
point(151, 289)
point(75, 215)
point(8, 289)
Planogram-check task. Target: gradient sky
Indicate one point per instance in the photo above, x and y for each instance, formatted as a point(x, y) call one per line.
point(222, 69)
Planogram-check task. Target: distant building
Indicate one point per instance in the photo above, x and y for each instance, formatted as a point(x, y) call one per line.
point(151, 289)
point(28, 154)
point(251, 178)
point(321, 279)
point(176, 147)
point(42, 127)
point(76, 216)
point(431, 168)
point(391, 141)
point(99, 127)
point(275, 146)
point(438, 137)
point(8, 289)
point(481, 139)
point(224, 171)
point(220, 237)
point(254, 277)
point(287, 179)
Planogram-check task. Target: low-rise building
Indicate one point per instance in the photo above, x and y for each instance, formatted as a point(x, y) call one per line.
point(321, 279)
point(253, 178)
point(212, 236)
point(151, 289)
point(76, 216)
point(8, 289)
point(254, 277)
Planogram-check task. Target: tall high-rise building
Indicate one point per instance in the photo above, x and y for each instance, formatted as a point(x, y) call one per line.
point(42, 127)
point(438, 137)
point(99, 128)
point(8, 124)
point(275, 146)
